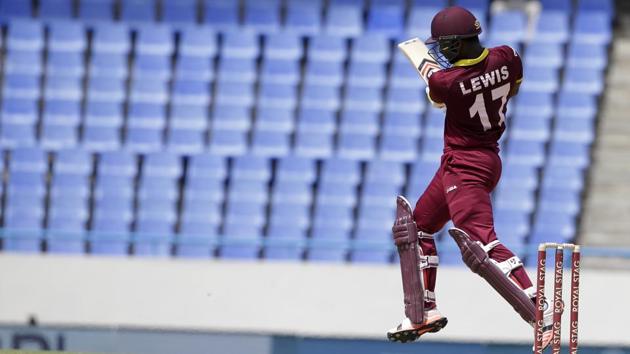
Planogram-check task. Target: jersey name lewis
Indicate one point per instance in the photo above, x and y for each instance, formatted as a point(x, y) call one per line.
point(480, 82)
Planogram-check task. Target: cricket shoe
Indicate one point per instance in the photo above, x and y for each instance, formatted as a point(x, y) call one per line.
point(408, 331)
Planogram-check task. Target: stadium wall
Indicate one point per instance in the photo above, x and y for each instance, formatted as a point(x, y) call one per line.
point(277, 299)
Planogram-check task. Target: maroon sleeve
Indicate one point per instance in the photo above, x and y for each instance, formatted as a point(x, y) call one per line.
point(437, 88)
point(516, 64)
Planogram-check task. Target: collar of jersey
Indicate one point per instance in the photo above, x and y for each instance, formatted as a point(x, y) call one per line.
point(469, 62)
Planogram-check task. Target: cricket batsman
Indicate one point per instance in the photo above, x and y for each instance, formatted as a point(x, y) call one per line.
point(474, 88)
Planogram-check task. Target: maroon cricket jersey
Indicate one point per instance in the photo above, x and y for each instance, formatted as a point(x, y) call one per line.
point(476, 92)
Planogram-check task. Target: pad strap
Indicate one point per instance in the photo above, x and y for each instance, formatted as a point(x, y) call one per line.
point(531, 292)
point(509, 265)
point(429, 296)
point(424, 235)
point(425, 262)
point(490, 246)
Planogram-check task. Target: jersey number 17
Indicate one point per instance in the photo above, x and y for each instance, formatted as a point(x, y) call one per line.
point(479, 106)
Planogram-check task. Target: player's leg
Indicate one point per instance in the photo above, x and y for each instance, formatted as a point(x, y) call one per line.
point(416, 234)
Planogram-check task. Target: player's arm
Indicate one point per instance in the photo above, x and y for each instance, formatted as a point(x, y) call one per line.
point(517, 68)
point(516, 87)
point(435, 91)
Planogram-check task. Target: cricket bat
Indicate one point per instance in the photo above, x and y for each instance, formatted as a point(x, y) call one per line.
point(418, 54)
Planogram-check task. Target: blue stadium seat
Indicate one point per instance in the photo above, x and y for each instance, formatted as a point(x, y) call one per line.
point(419, 21)
point(195, 246)
point(179, 12)
point(360, 122)
point(366, 74)
point(303, 18)
point(556, 200)
point(56, 9)
point(553, 227)
point(190, 92)
point(17, 134)
point(24, 34)
point(592, 28)
point(191, 67)
point(526, 152)
point(28, 160)
point(270, 143)
point(262, 17)
point(73, 161)
point(231, 117)
point(280, 71)
point(331, 216)
point(60, 87)
point(573, 105)
point(326, 47)
point(587, 56)
point(96, 10)
point(108, 65)
point(274, 120)
point(154, 39)
point(375, 221)
point(57, 136)
point(66, 36)
point(19, 86)
point(328, 73)
point(149, 90)
point(540, 80)
point(535, 104)
point(520, 199)
point(207, 165)
point(345, 21)
point(239, 45)
point(508, 25)
point(19, 111)
point(370, 49)
point(367, 99)
point(405, 100)
point(185, 141)
point(379, 193)
point(298, 169)
point(574, 130)
point(61, 63)
point(146, 115)
point(111, 38)
point(117, 163)
point(571, 154)
point(228, 142)
point(102, 89)
point(313, 145)
point(221, 15)
point(560, 177)
point(396, 147)
point(13, 9)
point(328, 250)
point(339, 170)
point(583, 81)
point(197, 42)
point(473, 5)
point(515, 175)
point(401, 123)
point(320, 97)
point(235, 93)
point(106, 114)
point(557, 6)
point(207, 192)
point(385, 171)
point(250, 167)
point(152, 66)
point(245, 212)
point(511, 226)
point(26, 62)
point(197, 212)
point(138, 11)
point(292, 192)
point(100, 138)
point(386, 18)
point(162, 165)
point(544, 54)
point(143, 139)
point(276, 95)
point(317, 121)
point(523, 127)
point(356, 146)
point(283, 46)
